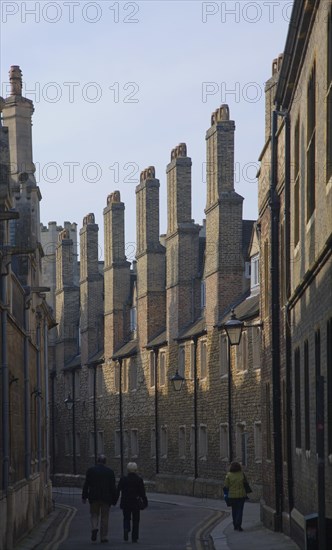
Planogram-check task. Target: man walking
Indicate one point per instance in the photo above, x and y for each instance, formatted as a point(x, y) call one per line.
point(100, 490)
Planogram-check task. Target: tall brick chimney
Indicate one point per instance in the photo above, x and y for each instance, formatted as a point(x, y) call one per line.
point(150, 257)
point(223, 256)
point(66, 300)
point(91, 291)
point(116, 276)
point(181, 245)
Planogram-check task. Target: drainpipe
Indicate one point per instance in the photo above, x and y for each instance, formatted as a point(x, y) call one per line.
point(95, 411)
point(288, 342)
point(47, 418)
point(275, 326)
point(27, 397)
point(38, 396)
point(156, 352)
point(195, 410)
point(229, 388)
point(5, 385)
point(53, 375)
point(120, 415)
point(74, 428)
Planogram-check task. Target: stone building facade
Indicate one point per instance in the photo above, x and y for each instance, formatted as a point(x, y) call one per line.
point(25, 319)
point(295, 206)
point(125, 330)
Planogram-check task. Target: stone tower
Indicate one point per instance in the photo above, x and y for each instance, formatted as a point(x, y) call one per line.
point(181, 244)
point(25, 231)
point(91, 289)
point(150, 257)
point(223, 259)
point(116, 276)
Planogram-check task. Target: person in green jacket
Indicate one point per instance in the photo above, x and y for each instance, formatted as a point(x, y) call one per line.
point(234, 482)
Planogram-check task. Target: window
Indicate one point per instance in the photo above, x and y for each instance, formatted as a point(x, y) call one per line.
point(203, 359)
point(163, 442)
point(329, 100)
point(91, 443)
point(306, 397)
point(133, 319)
point(242, 353)
point(203, 294)
point(182, 442)
point(134, 442)
point(117, 440)
point(224, 442)
point(282, 283)
point(258, 441)
point(319, 388)
point(256, 347)
point(203, 442)
point(223, 354)
point(284, 431)
point(297, 182)
point(153, 443)
point(68, 384)
point(268, 420)
point(132, 374)
point(162, 368)
point(311, 143)
point(254, 278)
point(152, 369)
point(181, 360)
point(297, 390)
point(117, 377)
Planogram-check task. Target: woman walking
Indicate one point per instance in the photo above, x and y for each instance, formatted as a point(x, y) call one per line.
point(133, 499)
point(234, 483)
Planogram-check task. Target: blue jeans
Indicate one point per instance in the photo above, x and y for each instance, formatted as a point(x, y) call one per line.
point(237, 511)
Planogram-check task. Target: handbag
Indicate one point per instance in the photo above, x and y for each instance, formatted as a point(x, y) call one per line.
point(226, 497)
point(246, 485)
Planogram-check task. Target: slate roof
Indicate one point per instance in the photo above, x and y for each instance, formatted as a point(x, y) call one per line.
point(127, 350)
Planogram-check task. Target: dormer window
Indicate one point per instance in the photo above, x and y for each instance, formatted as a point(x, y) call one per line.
point(133, 319)
point(254, 272)
point(203, 294)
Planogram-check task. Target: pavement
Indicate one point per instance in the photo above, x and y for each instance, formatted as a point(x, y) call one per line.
point(214, 532)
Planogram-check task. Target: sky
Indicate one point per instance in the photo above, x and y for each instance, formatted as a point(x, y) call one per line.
point(117, 85)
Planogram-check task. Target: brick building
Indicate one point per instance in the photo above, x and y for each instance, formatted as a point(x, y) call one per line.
point(25, 486)
point(295, 206)
point(124, 330)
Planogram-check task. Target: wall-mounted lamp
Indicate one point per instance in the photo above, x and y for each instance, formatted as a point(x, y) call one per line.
point(177, 381)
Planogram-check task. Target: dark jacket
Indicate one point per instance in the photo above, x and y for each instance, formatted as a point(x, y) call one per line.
point(131, 487)
point(99, 485)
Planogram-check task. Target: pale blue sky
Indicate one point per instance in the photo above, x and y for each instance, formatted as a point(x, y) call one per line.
point(117, 85)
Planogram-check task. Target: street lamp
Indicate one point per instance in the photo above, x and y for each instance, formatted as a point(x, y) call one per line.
point(70, 405)
point(177, 381)
point(69, 402)
point(233, 328)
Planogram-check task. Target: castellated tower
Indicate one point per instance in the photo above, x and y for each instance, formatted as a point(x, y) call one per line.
point(150, 257)
point(25, 231)
point(181, 244)
point(223, 259)
point(116, 276)
point(66, 300)
point(91, 289)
